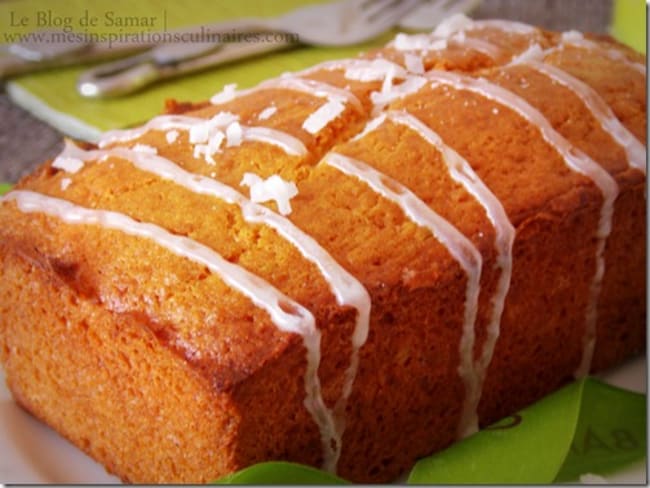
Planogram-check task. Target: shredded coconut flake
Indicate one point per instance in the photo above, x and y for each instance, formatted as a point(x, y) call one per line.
point(200, 133)
point(418, 42)
point(453, 24)
point(228, 93)
point(267, 112)
point(203, 151)
point(533, 53)
point(171, 136)
point(273, 188)
point(65, 183)
point(388, 81)
point(68, 164)
point(323, 116)
point(375, 70)
point(414, 63)
point(572, 36)
point(143, 148)
point(234, 134)
point(214, 144)
point(405, 42)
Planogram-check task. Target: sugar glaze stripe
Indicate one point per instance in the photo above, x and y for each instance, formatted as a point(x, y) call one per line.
point(334, 106)
point(291, 145)
point(305, 85)
point(574, 159)
point(577, 39)
point(634, 150)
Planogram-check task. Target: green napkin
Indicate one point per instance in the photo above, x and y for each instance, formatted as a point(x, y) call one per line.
point(52, 96)
point(586, 427)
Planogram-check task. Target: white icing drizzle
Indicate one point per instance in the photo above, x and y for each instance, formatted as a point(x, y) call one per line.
point(459, 246)
point(411, 85)
point(144, 148)
point(364, 70)
point(461, 172)
point(509, 26)
point(311, 87)
point(345, 287)
point(490, 50)
point(574, 159)
point(65, 183)
point(575, 38)
point(291, 145)
point(634, 150)
point(202, 127)
point(163, 123)
point(370, 126)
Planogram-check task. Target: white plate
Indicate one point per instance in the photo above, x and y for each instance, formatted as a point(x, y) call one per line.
point(31, 452)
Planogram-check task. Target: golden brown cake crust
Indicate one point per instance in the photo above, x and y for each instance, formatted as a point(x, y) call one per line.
point(95, 322)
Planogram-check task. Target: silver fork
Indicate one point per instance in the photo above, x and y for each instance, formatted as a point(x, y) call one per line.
point(338, 23)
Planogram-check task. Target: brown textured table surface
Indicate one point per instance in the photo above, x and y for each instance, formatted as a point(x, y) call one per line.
point(26, 142)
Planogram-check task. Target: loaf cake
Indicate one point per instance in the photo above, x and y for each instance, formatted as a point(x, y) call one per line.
point(351, 266)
